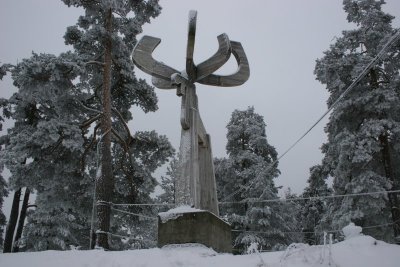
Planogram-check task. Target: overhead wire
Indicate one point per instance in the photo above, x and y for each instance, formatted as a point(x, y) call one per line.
point(123, 236)
point(144, 204)
point(315, 232)
point(134, 204)
point(309, 198)
point(381, 53)
point(134, 214)
point(255, 200)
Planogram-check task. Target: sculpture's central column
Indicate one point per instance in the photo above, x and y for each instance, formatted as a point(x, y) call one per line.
point(187, 185)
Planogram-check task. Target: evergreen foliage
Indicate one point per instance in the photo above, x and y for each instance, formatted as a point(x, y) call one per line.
point(150, 151)
point(363, 130)
point(107, 32)
point(248, 169)
point(168, 182)
point(3, 184)
point(312, 210)
point(52, 147)
point(45, 145)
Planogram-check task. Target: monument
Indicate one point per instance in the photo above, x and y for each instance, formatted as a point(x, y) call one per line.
point(195, 186)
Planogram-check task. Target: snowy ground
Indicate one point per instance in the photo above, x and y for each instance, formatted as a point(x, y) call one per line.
point(357, 251)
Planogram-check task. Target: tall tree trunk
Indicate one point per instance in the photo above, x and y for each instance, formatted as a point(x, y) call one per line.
point(393, 199)
point(21, 220)
point(93, 236)
point(105, 183)
point(12, 222)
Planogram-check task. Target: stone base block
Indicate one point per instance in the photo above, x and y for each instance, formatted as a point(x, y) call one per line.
point(201, 227)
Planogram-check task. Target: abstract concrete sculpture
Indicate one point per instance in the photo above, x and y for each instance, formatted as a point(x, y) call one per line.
point(195, 185)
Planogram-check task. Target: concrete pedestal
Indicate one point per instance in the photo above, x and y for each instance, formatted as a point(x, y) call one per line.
point(201, 227)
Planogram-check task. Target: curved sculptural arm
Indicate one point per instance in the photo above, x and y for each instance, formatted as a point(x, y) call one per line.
point(142, 57)
point(161, 73)
point(162, 84)
point(238, 78)
point(190, 67)
point(212, 64)
point(205, 68)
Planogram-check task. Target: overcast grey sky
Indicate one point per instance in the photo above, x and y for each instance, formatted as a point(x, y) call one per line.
point(282, 40)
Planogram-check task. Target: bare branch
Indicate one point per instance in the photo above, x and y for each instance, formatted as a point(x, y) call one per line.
point(89, 108)
point(124, 145)
point(89, 121)
point(57, 144)
point(382, 71)
point(120, 139)
point(119, 14)
point(89, 146)
point(124, 124)
point(94, 62)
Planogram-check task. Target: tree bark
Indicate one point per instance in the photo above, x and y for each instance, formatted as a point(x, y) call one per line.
point(21, 220)
point(393, 199)
point(12, 222)
point(105, 183)
point(93, 236)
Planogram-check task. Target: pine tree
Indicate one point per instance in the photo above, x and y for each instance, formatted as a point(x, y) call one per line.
point(312, 210)
point(291, 212)
point(59, 113)
point(247, 175)
point(105, 36)
point(44, 146)
point(168, 183)
point(3, 139)
point(363, 130)
point(134, 184)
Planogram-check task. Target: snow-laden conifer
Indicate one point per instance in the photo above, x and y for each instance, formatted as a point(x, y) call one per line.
point(104, 37)
point(249, 171)
point(313, 210)
point(58, 112)
point(3, 139)
point(45, 145)
point(168, 182)
point(362, 152)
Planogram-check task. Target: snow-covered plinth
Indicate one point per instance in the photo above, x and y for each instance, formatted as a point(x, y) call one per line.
point(187, 225)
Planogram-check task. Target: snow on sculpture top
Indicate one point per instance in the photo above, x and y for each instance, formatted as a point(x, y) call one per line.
point(195, 185)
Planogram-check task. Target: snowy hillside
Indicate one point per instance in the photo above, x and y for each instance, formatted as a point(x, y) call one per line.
point(357, 251)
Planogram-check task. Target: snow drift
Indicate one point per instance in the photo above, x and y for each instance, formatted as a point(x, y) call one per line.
point(356, 250)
